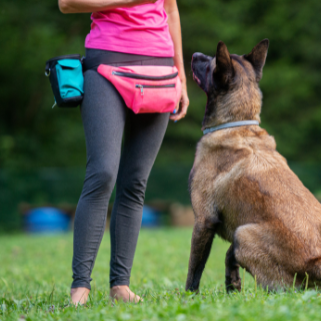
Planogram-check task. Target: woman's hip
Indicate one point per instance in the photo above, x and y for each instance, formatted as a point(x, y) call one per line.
point(95, 57)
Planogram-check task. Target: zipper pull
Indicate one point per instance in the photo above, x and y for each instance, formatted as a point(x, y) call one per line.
point(141, 89)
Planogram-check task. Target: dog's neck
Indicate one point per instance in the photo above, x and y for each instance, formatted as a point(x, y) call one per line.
point(236, 106)
point(230, 125)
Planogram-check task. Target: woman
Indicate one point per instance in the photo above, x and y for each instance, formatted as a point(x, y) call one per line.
point(123, 32)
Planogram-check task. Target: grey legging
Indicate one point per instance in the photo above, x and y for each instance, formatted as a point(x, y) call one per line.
point(105, 119)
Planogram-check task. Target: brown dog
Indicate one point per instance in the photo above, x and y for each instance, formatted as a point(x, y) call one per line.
point(242, 189)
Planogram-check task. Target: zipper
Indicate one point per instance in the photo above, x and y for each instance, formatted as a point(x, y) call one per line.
point(153, 86)
point(146, 77)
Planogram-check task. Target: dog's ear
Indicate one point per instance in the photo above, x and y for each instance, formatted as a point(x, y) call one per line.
point(257, 57)
point(223, 71)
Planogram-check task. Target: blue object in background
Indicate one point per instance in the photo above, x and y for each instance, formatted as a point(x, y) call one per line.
point(46, 220)
point(151, 217)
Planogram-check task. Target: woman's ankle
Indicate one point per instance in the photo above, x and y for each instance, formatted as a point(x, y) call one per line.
point(79, 295)
point(123, 293)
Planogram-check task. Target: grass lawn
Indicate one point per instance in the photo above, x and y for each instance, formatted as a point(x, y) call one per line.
point(35, 275)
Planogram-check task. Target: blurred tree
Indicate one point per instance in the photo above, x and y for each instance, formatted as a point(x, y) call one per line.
point(33, 135)
point(292, 76)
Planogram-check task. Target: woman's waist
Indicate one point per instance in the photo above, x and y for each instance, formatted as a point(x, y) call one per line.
point(96, 57)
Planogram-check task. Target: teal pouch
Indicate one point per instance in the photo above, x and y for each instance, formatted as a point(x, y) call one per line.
point(66, 78)
point(70, 78)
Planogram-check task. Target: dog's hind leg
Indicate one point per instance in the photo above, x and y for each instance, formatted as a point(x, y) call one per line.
point(269, 252)
point(313, 269)
point(232, 277)
point(202, 239)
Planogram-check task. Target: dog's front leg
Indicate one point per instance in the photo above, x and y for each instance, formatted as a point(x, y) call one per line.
point(202, 239)
point(232, 276)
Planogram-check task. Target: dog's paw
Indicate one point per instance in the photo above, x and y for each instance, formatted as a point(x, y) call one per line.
point(233, 285)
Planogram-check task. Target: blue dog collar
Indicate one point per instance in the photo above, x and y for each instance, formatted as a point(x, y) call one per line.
point(230, 125)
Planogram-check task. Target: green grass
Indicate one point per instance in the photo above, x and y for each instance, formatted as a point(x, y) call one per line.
point(35, 276)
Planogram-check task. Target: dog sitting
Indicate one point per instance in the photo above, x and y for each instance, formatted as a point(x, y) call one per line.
point(242, 189)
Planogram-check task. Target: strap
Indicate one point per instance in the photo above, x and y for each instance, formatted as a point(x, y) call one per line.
point(47, 69)
point(96, 57)
point(230, 125)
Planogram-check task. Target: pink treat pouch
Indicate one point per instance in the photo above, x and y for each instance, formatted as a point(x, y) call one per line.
point(145, 89)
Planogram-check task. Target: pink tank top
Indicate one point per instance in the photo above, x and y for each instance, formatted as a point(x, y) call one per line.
point(141, 30)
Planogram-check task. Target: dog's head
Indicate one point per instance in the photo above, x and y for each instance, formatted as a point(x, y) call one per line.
point(230, 83)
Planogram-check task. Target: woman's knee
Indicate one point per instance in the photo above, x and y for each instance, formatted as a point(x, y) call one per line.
point(100, 182)
point(134, 190)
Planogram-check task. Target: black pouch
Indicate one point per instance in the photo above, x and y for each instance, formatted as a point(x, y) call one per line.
point(66, 79)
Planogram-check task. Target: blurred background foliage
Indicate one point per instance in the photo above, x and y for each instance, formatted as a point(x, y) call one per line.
point(42, 150)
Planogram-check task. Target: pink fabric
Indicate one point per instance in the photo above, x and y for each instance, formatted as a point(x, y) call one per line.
point(156, 98)
point(141, 30)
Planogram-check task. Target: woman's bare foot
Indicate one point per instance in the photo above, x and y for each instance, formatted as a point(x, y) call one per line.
point(79, 295)
point(123, 293)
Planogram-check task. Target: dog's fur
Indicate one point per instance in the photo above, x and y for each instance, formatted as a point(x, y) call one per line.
point(242, 189)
